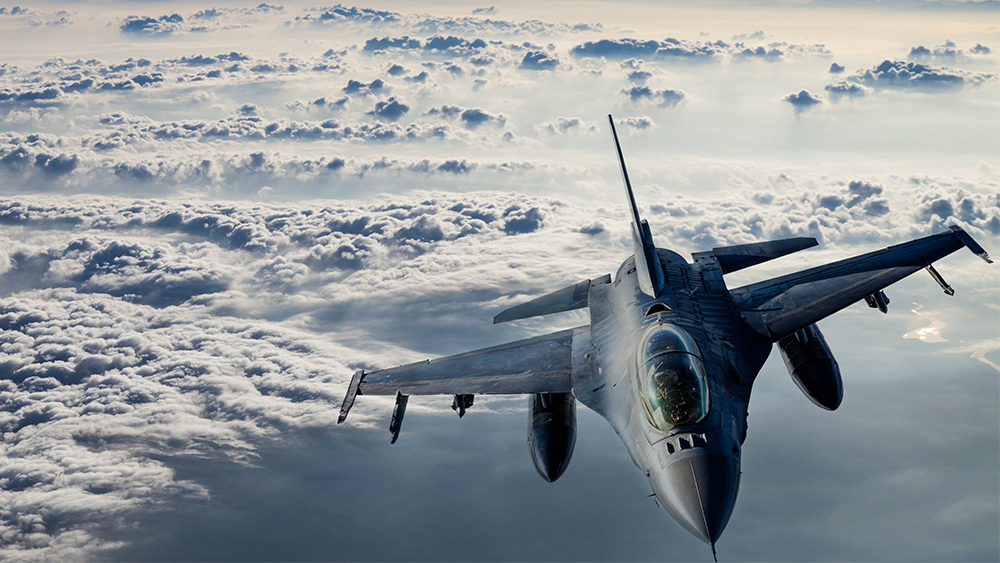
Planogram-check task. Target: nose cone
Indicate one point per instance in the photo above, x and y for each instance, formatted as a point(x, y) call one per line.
point(700, 492)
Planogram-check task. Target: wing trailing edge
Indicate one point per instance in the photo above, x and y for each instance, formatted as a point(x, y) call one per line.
point(783, 305)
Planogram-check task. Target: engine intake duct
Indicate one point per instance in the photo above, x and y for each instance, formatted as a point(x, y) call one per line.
point(812, 366)
point(551, 432)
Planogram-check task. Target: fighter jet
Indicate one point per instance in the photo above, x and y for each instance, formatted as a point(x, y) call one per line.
point(669, 357)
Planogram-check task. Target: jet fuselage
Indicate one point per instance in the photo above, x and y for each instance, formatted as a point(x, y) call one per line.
point(693, 469)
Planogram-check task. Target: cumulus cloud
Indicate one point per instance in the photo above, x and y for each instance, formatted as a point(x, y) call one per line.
point(338, 104)
point(389, 110)
point(145, 25)
point(631, 64)
point(538, 60)
point(638, 124)
point(669, 49)
point(566, 126)
point(802, 101)
point(758, 35)
point(908, 75)
point(471, 118)
point(34, 18)
point(947, 52)
point(760, 53)
point(110, 163)
point(60, 83)
point(848, 89)
point(639, 76)
point(644, 95)
point(836, 69)
point(367, 18)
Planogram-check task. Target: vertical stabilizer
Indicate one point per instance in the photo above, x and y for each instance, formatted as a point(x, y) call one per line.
point(647, 263)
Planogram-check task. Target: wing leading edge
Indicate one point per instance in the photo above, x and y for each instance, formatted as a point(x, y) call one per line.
point(543, 364)
point(783, 305)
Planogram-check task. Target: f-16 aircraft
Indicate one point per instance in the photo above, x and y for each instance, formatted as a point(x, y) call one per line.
point(669, 357)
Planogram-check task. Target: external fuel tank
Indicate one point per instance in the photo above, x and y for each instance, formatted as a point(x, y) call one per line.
point(811, 365)
point(551, 432)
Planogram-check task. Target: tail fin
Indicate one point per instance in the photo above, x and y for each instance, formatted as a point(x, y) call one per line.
point(647, 263)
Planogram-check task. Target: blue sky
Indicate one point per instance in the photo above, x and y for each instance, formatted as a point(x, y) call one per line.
point(211, 216)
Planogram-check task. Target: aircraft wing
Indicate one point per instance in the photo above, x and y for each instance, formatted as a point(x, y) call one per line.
point(543, 364)
point(783, 305)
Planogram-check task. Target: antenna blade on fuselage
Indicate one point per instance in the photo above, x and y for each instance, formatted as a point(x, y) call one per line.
point(647, 263)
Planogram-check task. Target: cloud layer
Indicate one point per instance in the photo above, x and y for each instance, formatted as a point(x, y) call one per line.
point(211, 216)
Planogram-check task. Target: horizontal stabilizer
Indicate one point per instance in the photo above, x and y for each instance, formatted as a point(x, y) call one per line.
point(733, 258)
point(566, 299)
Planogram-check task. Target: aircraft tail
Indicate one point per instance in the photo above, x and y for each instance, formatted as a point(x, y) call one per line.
point(647, 263)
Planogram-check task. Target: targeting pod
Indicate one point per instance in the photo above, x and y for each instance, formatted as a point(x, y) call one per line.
point(811, 365)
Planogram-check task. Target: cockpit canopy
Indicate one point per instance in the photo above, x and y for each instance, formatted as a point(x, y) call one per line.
point(673, 386)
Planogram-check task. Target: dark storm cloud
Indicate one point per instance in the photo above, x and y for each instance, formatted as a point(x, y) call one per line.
point(907, 75)
point(538, 60)
point(644, 94)
point(668, 49)
point(802, 101)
